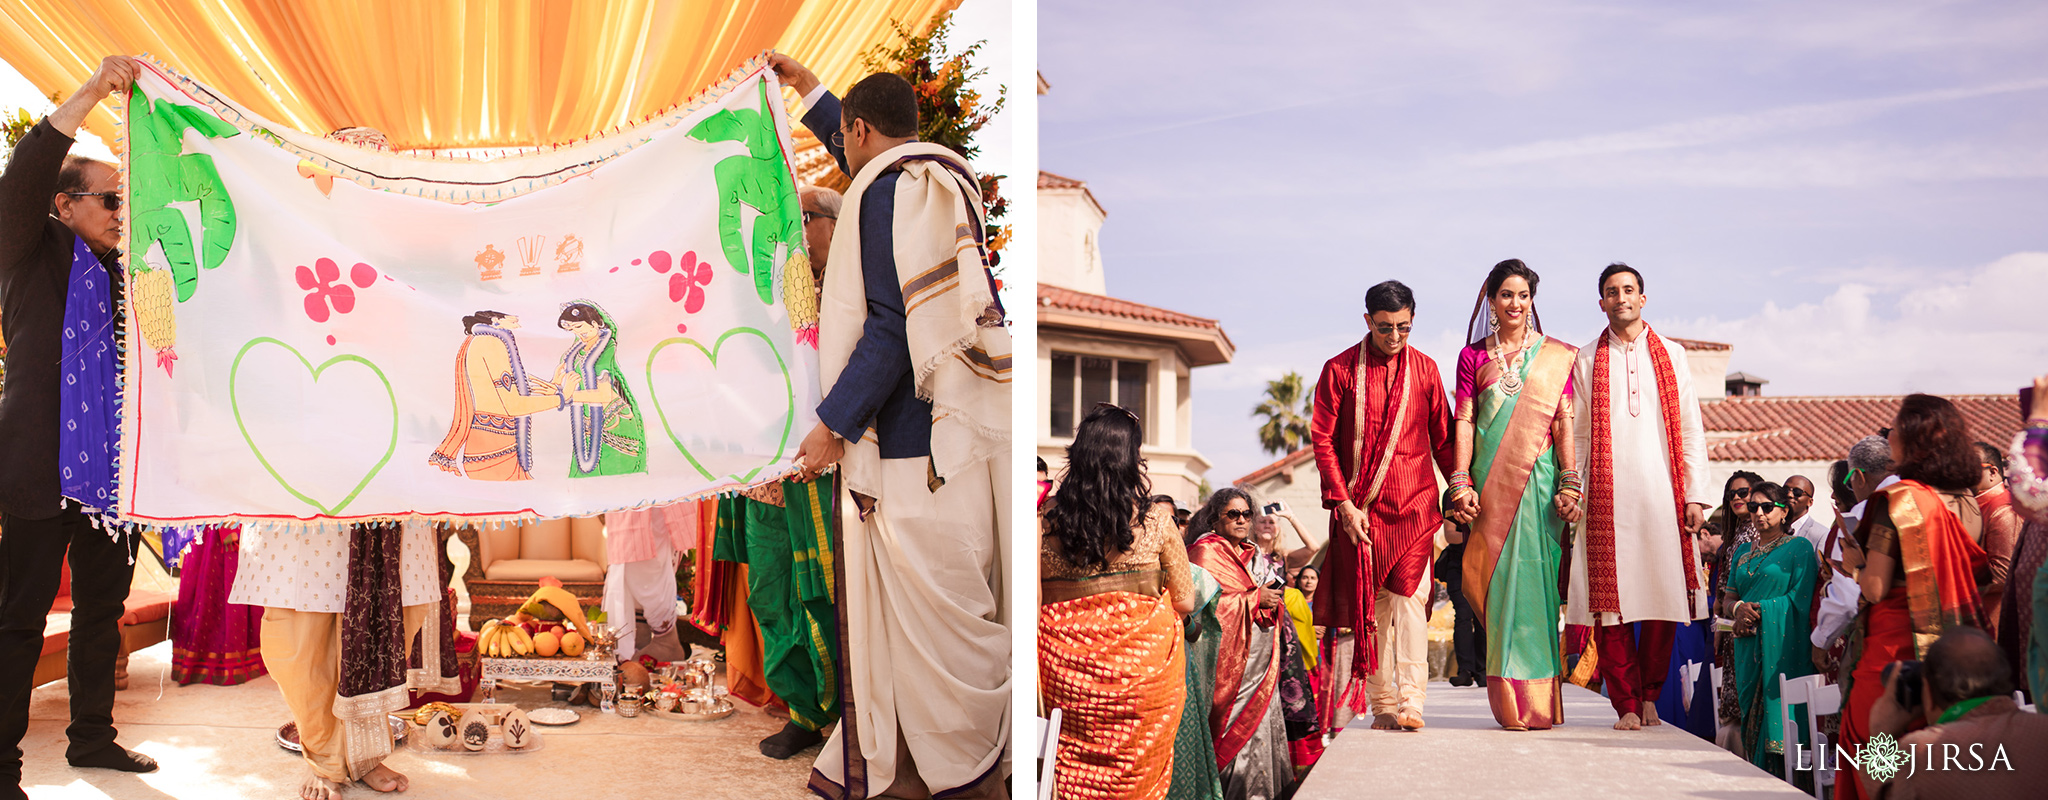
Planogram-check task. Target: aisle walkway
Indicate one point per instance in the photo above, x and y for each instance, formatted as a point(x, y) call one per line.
point(218, 742)
point(1463, 754)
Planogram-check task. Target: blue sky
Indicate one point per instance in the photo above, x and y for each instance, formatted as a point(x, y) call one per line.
point(1854, 194)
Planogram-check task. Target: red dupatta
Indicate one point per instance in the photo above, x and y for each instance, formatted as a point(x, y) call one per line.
point(1237, 609)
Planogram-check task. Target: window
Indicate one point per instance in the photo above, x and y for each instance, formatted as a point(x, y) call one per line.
point(1079, 382)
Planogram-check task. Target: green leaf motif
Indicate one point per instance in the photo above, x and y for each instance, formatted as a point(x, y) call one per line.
point(760, 180)
point(161, 173)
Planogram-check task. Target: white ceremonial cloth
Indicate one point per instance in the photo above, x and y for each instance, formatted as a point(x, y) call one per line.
point(1647, 549)
point(927, 632)
point(306, 569)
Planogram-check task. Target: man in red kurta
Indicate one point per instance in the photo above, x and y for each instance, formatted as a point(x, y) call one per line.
point(1380, 417)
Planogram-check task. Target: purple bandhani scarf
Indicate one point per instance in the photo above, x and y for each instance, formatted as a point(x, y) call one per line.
point(90, 395)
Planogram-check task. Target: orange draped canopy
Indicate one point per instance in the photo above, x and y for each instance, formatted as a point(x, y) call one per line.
point(437, 74)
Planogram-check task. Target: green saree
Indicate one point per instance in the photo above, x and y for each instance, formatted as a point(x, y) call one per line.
point(1512, 579)
point(1780, 581)
point(608, 439)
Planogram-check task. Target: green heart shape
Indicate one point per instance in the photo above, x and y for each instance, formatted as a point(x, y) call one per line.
point(711, 353)
point(235, 402)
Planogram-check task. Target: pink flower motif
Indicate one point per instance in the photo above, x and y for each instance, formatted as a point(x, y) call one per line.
point(323, 283)
point(686, 286)
point(319, 281)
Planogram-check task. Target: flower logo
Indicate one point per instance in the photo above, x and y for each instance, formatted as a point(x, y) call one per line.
point(686, 284)
point(321, 281)
point(1882, 757)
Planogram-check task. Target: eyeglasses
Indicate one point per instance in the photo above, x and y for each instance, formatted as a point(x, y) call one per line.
point(811, 215)
point(112, 200)
point(1237, 514)
point(1388, 330)
point(1739, 492)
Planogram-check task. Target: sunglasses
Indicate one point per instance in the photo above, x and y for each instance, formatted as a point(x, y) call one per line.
point(1388, 330)
point(1125, 411)
point(112, 200)
point(1797, 493)
point(1764, 506)
point(811, 215)
point(1237, 514)
point(1884, 432)
point(1742, 492)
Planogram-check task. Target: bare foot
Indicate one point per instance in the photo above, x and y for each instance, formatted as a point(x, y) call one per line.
point(1629, 722)
point(1650, 715)
point(318, 788)
point(1385, 722)
point(386, 779)
point(1409, 719)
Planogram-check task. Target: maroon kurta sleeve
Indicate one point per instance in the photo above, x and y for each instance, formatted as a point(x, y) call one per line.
point(1327, 427)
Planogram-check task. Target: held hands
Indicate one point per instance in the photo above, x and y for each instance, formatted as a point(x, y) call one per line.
point(820, 450)
point(792, 74)
point(1566, 506)
point(1820, 659)
point(1355, 523)
point(1695, 516)
point(1747, 617)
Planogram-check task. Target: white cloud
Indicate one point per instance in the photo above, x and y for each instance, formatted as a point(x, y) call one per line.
point(1973, 331)
point(1728, 128)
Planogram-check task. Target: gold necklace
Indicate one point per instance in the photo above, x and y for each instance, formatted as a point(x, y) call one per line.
point(1511, 371)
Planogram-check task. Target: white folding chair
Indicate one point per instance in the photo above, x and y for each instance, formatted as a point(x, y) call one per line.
point(1048, 752)
point(1820, 698)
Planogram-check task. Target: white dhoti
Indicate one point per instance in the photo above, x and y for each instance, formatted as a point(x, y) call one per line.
point(929, 648)
point(648, 585)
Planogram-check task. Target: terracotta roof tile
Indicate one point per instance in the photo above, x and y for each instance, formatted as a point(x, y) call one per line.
point(1065, 299)
point(1696, 344)
point(1823, 428)
point(1286, 463)
point(1047, 180)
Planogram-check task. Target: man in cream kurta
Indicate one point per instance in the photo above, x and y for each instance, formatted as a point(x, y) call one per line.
point(1632, 559)
point(916, 364)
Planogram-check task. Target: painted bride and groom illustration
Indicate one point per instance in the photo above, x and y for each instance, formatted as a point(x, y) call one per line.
point(490, 437)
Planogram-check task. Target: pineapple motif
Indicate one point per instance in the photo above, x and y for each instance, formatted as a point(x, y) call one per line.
point(151, 290)
point(800, 295)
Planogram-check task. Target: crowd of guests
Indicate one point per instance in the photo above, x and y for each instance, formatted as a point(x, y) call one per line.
point(1930, 574)
point(1187, 663)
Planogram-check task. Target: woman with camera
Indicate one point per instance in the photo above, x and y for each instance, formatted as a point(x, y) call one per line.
point(1922, 563)
point(1769, 593)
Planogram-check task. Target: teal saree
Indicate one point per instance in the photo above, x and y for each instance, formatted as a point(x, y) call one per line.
point(1518, 540)
point(1780, 581)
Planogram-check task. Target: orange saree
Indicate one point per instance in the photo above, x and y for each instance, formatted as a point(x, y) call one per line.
point(1114, 662)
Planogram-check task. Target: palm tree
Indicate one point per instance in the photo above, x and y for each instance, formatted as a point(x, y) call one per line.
point(1286, 410)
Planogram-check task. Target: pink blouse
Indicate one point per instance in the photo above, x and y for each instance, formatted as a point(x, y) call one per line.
point(1477, 370)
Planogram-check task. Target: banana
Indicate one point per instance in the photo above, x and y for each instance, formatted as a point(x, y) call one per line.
point(521, 642)
point(487, 639)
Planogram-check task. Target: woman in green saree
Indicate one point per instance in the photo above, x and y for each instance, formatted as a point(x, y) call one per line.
point(1769, 595)
point(1514, 424)
point(607, 438)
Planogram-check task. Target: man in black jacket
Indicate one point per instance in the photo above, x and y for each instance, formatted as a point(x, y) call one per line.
point(49, 202)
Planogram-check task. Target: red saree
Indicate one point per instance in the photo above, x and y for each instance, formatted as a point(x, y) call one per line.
point(1937, 590)
point(1237, 609)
